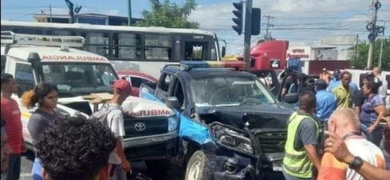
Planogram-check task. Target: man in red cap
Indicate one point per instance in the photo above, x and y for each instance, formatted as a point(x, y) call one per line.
point(118, 164)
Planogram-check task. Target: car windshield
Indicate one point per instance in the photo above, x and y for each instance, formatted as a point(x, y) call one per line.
point(76, 79)
point(229, 91)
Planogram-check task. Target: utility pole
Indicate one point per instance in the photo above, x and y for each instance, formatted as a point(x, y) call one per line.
point(381, 50)
point(129, 11)
point(248, 33)
point(51, 17)
point(267, 35)
point(373, 33)
point(356, 46)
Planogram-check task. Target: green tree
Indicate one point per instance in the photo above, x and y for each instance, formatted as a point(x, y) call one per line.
point(359, 60)
point(170, 15)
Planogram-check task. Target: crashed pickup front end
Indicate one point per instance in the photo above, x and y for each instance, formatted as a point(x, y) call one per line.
point(238, 156)
point(244, 149)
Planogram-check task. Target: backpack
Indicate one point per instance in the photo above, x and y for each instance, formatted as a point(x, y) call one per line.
point(101, 115)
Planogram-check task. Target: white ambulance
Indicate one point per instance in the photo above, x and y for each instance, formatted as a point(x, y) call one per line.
point(79, 74)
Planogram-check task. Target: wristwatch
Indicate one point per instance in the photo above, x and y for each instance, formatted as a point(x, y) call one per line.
point(356, 163)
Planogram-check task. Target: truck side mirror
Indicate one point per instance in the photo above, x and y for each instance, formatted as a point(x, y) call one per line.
point(172, 102)
point(291, 98)
point(223, 51)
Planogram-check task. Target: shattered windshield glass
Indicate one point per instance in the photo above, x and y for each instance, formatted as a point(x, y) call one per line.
point(229, 90)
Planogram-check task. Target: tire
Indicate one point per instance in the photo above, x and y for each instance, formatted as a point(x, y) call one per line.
point(158, 168)
point(198, 167)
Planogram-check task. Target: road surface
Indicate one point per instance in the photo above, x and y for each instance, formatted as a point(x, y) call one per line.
point(175, 173)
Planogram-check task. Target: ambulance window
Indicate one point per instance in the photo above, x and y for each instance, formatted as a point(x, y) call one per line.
point(24, 77)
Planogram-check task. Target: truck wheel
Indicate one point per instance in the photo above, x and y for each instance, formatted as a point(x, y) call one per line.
point(198, 167)
point(158, 168)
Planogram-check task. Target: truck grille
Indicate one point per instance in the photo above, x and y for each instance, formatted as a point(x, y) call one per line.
point(136, 127)
point(161, 149)
point(272, 142)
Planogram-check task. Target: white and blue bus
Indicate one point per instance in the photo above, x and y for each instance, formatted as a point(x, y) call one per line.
point(143, 49)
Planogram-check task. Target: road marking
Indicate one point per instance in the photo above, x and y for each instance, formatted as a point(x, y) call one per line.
point(25, 175)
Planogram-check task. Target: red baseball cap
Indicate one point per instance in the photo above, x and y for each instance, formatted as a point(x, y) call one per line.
point(122, 86)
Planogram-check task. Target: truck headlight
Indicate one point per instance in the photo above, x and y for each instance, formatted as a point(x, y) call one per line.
point(172, 123)
point(232, 138)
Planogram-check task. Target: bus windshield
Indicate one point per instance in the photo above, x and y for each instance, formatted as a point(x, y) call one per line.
point(76, 79)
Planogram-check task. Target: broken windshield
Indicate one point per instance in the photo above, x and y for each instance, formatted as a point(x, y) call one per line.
point(229, 91)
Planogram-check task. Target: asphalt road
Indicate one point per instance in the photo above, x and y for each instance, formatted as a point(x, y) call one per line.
point(175, 173)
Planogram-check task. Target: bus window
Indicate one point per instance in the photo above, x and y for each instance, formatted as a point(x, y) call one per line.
point(196, 50)
point(158, 47)
point(97, 43)
point(158, 40)
point(127, 46)
point(27, 30)
point(61, 32)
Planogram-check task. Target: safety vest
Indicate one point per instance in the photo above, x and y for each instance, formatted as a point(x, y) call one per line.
point(296, 162)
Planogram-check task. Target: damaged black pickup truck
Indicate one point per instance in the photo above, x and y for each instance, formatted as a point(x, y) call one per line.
point(231, 126)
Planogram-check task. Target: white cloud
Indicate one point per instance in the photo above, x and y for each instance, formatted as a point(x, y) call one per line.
point(299, 21)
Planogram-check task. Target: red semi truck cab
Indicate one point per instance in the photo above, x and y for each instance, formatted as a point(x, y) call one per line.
point(269, 55)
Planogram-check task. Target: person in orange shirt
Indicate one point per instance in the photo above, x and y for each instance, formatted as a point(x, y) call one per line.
point(345, 123)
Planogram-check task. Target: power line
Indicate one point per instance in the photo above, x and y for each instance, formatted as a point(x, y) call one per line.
point(269, 18)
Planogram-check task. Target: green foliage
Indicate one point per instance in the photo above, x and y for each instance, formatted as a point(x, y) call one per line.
point(170, 15)
point(359, 60)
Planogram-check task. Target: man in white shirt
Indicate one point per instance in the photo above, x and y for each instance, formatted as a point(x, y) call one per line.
point(119, 164)
point(345, 123)
point(377, 71)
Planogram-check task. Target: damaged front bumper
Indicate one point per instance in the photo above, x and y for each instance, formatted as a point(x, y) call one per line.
point(151, 147)
point(233, 165)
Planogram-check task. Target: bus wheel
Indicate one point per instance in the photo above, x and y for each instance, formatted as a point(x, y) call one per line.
point(198, 167)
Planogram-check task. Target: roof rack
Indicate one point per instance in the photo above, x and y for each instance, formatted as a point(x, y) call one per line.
point(9, 38)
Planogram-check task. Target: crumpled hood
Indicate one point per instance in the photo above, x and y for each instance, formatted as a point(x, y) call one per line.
point(261, 116)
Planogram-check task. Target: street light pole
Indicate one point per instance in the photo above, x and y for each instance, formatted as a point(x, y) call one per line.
point(380, 53)
point(129, 13)
point(371, 50)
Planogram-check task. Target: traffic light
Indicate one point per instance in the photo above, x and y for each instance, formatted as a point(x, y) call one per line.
point(239, 19)
point(256, 21)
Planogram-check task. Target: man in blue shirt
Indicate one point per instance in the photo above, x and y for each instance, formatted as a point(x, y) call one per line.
point(326, 101)
point(335, 80)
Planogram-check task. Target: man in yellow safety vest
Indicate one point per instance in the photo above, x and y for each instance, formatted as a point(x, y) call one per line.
point(302, 140)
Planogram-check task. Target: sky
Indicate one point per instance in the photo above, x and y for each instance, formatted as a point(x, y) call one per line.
point(302, 22)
